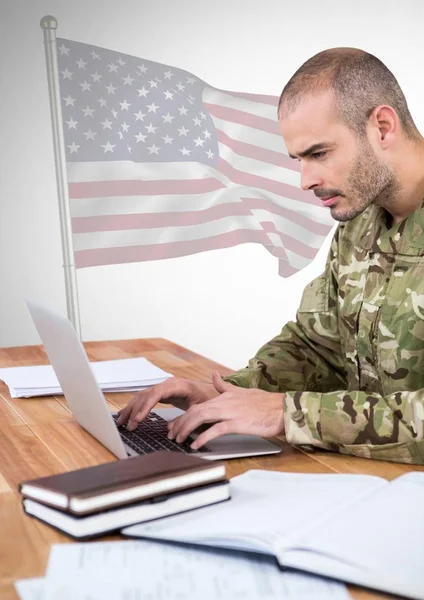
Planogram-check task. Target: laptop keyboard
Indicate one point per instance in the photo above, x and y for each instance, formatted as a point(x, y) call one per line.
point(151, 435)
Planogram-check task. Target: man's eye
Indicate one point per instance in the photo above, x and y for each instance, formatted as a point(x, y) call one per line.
point(318, 154)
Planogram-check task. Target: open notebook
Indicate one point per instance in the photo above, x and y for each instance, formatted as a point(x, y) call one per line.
point(356, 528)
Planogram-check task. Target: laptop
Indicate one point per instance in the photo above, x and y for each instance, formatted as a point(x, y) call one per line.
point(89, 407)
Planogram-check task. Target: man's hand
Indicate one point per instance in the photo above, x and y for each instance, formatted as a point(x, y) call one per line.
point(234, 410)
point(183, 393)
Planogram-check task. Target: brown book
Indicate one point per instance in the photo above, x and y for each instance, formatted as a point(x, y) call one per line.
point(93, 489)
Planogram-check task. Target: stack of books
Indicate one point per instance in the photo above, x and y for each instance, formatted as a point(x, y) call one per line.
point(97, 500)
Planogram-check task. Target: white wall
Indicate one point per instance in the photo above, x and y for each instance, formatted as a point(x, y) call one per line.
point(223, 304)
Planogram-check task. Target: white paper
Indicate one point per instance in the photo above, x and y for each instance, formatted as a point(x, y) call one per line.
point(31, 589)
point(290, 587)
point(127, 374)
point(154, 571)
point(266, 509)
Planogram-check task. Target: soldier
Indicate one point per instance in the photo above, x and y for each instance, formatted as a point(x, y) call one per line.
point(348, 373)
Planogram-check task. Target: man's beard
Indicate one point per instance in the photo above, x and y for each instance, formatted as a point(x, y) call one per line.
point(370, 181)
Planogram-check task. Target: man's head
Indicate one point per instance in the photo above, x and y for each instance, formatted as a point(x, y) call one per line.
point(349, 103)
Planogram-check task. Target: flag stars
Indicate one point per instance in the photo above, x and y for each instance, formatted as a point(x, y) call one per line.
point(140, 137)
point(90, 135)
point(167, 118)
point(118, 80)
point(183, 131)
point(143, 92)
point(73, 148)
point(85, 87)
point(71, 124)
point(88, 112)
point(111, 89)
point(167, 139)
point(106, 124)
point(128, 80)
point(153, 149)
point(67, 74)
point(139, 116)
point(108, 147)
point(64, 50)
point(69, 101)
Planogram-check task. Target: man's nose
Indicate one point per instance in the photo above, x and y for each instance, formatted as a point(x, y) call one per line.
point(309, 177)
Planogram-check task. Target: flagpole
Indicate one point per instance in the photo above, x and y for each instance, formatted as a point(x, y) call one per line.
point(49, 25)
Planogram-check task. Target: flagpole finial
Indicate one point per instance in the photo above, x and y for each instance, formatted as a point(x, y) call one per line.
point(48, 22)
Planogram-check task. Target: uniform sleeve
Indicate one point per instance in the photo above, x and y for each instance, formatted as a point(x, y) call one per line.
point(306, 355)
point(359, 423)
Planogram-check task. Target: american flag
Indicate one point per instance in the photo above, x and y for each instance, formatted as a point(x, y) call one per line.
point(161, 165)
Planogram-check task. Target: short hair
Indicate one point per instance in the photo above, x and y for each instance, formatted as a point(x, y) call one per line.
point(360, 82)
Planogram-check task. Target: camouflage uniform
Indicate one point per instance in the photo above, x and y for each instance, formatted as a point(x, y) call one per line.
point(352, 364)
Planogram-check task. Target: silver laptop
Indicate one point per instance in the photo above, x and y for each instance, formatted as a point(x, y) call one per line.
point(89, 407)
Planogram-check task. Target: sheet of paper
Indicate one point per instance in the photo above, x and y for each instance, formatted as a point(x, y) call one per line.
point(293, 587)
point(31, 589)
point(293, 503)
point(127, 374)
point(156, 571)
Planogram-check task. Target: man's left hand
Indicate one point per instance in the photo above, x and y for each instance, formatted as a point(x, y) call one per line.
point(234, 410)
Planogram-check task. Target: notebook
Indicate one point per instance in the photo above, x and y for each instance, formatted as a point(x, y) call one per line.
point(90, 489)
point(355, 528)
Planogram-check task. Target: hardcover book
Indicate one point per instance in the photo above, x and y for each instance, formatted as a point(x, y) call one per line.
point(113, 484)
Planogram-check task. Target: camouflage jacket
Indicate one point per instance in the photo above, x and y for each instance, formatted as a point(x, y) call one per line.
point(352, 363)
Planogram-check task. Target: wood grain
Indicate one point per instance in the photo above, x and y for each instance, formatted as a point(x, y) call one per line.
point(39, 436)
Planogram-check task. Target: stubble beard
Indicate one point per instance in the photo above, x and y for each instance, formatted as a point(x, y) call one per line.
point(370, 181)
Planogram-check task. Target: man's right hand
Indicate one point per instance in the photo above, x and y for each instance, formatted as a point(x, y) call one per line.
point(182, 393)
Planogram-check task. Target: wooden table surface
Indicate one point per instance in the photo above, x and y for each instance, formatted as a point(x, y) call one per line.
point(39, 437)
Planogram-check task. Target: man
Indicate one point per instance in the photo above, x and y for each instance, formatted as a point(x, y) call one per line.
point(348, 374)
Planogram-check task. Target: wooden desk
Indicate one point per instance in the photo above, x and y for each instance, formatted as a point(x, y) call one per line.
point(38, 437)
